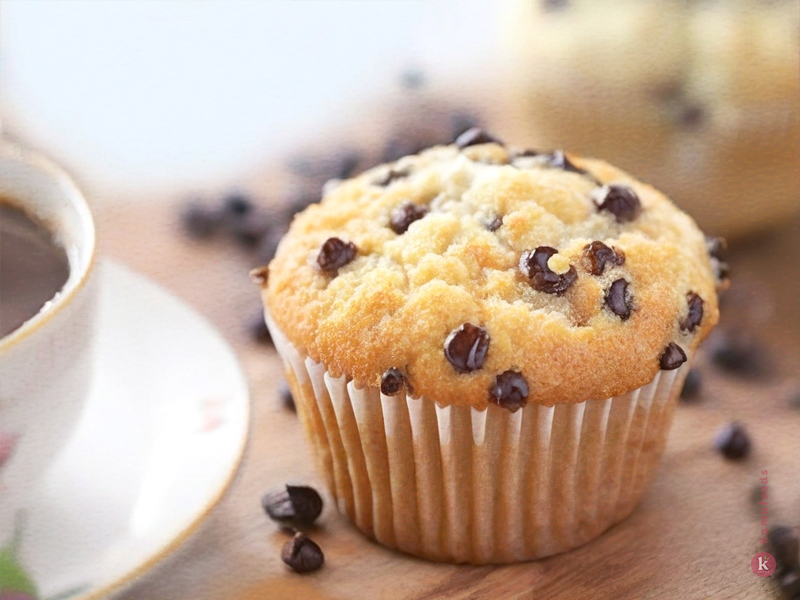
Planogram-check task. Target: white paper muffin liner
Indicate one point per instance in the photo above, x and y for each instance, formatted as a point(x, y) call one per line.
point(456, 484)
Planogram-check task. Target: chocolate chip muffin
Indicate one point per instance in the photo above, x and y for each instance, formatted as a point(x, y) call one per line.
point(480, 338)
point(701, 99)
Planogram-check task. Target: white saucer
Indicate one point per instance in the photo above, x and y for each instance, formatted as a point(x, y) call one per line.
point(159, 442)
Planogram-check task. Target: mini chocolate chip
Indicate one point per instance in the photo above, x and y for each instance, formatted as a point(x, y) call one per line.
point(694, 314)
point(618, 300)
point(691, 385)
point(509, 390)
point(533, 264)
point(733, 442)
point(285, 394)
point(302, 554)
point(784, 545)
point(494, 224)
point(736, 351)
point(237, 204)
point(259, 330)
point(334, 254)
point(559, 160)
point(528, 152)
point(716, 246)
point(598, 255)
point(466, 347)
point(461, 121)
point(620, 200)
point(404, 215)
point(393, 382)
point(672, 357)
point(199, 221)
point(475, 136)
point(390, 176)
point(297, 505)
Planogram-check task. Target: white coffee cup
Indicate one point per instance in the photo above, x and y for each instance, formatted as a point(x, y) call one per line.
point(45, 364)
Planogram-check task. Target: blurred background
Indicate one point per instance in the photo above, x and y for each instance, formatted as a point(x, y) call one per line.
point(199, 128)
point(698, 98)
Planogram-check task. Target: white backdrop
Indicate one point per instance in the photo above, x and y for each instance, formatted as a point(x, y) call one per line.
point(147, 94)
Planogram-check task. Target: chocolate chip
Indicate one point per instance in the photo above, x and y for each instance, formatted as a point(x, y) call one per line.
point(672, 357)
point(784, 545)
point(334, 254)
point(237, 204)
point(404, 215)
point(302, 554)
point(620, 200)
point(733, 442)
point(509, 390)
point(736, 351)
point(549, 5)
point(285, 394)
point(694, 314)
point(716, 247)
point(259, 330)
point(461, 121)
point(393, 382)
point(494, 224)
point(297, 505)
point(559, 160)
point(390, 176)
point(691, 385)
point(200, 222)
point(475, 136)
point(466, 347)
point(618, 300)
point(598, 255)
point(533, 264)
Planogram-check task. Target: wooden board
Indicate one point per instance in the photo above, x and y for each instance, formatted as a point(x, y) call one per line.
point(692, 537)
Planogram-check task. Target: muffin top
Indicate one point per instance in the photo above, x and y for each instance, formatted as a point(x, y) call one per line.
point(475, 273)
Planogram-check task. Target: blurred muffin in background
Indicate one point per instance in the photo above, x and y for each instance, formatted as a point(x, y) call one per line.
point(700, 98)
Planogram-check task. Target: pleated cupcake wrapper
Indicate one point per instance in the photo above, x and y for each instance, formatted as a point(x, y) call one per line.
point(455, 484)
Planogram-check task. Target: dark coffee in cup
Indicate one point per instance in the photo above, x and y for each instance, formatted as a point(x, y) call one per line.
point(33, 267)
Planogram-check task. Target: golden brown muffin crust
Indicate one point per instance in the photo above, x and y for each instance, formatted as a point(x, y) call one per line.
point(458, 260)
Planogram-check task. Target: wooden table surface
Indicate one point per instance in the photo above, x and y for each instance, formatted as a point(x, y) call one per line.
point(692, 537)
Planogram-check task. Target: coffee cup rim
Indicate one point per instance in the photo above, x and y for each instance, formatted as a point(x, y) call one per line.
point(77, 199)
